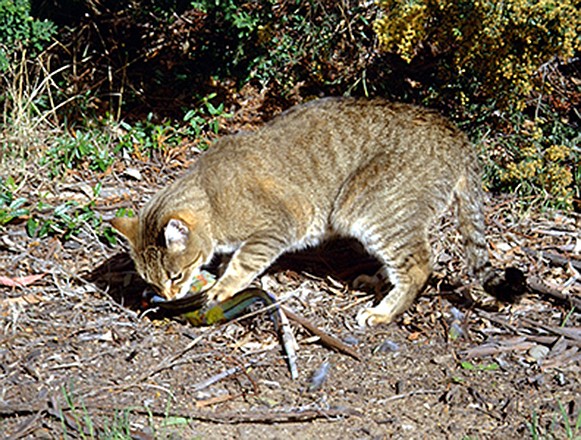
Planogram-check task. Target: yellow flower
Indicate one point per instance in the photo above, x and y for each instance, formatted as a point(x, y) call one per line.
point(528, 151)
point(556, 153)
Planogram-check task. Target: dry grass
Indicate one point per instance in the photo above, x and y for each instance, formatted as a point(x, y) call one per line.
point(29, 107)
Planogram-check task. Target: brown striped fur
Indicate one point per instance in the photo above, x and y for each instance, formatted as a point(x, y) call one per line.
point(369, 169)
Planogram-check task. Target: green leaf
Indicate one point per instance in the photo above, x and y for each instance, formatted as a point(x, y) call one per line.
point(31, 227)
point(489, 367)
point(175, 420)
point(18, 203)
point(467, 365)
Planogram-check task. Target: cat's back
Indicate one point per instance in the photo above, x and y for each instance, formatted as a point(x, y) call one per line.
point(341, 134)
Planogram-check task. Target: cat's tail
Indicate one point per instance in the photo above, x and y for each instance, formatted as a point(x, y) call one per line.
point(508, 285)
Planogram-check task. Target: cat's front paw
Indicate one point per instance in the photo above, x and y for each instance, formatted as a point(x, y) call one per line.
point(218, 294)
point(372, 316)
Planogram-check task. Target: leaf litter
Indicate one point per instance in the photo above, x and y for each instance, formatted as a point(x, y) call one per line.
point(77, 346)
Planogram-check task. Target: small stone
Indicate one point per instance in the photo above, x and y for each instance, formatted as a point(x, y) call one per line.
point(72, 245)
point(445, 359)
point(387, 346)
point(538, 352)
point(350, 340)
point(561, 379)
point(457, 315)
point(503, 246)
point(132, 173)
point(399, 387)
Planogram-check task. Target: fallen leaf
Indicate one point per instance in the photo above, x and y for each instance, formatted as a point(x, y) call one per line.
point(414, 336)
point(20, 281)
point(27, 299)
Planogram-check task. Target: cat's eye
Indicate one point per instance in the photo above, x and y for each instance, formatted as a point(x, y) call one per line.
point(176, 277)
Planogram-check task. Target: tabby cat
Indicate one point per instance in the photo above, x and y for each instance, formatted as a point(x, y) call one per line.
point(369, 169)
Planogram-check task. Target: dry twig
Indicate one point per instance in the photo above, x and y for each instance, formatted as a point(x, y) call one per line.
point(326, 339)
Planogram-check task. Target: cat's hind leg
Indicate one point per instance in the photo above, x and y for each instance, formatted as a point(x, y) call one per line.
point(392, 225)
point(408, 273)
point(400, 243)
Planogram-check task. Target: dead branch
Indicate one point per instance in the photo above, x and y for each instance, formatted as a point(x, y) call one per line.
point(540, 288)
point(409, 394)
point(573, 334)
point(291, 415)
point(496, 347)
point(554, 259)
point(326, 339)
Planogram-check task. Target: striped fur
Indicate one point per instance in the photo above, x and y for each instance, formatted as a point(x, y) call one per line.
point(376, 171)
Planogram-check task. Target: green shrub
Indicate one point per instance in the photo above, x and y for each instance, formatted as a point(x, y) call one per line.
point(483, 49)
point(68, 219)
point(536, 157)
point(313, 48)
point(82, 149)
point(20, 31)
point(163, 57)
point(11, 207)
point(234, 27)
point(24, 80)
point(494, 67)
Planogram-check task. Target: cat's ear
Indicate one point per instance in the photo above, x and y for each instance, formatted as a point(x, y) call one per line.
point(176, 235)
point(126, 226)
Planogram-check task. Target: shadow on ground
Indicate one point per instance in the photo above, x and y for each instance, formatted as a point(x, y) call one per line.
point(342, 260)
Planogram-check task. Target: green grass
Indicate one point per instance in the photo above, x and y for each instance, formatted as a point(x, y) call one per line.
point(28, 139)
point(560, 426)
point(77, 421)
point(11, 207)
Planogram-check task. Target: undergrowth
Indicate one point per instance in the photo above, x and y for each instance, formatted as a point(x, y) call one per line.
point(535, 156)
point(94, 148)
point(498, 68)
point(78, 421)
point(558, 424)
point(482, 50)
point(66, 124)
point(20, 32)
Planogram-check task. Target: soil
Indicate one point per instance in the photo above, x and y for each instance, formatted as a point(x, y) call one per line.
point(80, 357)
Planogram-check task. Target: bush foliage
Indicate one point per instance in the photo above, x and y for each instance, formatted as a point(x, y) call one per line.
point(485, 49)
point(161, 56)
point(537, 157)
point(20, 31)
point(505, 71)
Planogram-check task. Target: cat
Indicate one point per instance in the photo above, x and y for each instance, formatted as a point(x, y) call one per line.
point(372, 170)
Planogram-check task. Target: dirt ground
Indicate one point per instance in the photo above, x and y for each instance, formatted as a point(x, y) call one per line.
point(79, 358)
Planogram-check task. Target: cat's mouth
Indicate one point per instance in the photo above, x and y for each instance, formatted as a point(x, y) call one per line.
point(199, 284)
point(152, 292)
point(190, 302)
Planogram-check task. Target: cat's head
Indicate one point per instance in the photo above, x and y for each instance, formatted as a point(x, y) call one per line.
point(168, 256)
